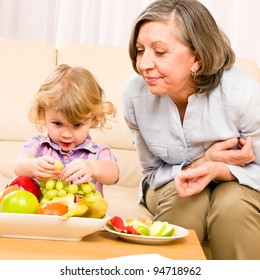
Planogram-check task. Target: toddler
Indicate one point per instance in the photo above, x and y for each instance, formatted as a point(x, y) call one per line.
point(68, 105)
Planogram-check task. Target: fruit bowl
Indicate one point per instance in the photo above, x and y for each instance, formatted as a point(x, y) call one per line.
point(48, 226)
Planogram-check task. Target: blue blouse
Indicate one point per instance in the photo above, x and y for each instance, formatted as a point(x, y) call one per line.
point(164, 145)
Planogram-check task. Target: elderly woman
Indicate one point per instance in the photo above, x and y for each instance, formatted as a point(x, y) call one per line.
point(192, 115)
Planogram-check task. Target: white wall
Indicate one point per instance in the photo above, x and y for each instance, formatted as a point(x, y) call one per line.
point(108, 22)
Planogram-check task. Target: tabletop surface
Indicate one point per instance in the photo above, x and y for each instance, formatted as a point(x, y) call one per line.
point(98, 246)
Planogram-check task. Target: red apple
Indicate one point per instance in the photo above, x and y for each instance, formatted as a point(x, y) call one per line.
point(26, 183)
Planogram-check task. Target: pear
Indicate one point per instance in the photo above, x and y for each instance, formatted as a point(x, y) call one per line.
point(97, 205)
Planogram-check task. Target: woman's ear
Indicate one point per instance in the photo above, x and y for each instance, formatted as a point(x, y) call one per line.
point(197, 63)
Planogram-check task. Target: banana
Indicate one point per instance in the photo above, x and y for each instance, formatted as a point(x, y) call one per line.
point(75, 204)
point(91, 205)
point(78, 209)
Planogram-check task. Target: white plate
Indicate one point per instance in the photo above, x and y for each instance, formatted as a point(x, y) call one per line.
point(39, 226)
point(179, 233)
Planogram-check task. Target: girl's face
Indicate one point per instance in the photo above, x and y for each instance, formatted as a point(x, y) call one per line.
point(66, 135)
point(163, 61)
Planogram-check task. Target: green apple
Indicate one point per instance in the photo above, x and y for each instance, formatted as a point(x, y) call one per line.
point(20, 201)
point(168, 231)
point(161, 229)
point(157, 228)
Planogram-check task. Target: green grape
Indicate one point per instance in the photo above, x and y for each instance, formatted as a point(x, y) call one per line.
point(70, 194)
point(42, 183)
point(43, 191)
point(44, 200)
point(59, 185)
point(92, 185)
point(50, 184)
point(65, 183)
point(51, 194)
point(58, 164)
point(80, 192)
point(90, 194)
point(72, 188)
point(86, 188)
point(62, 193)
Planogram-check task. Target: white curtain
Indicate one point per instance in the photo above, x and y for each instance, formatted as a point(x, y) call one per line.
point(109, 22)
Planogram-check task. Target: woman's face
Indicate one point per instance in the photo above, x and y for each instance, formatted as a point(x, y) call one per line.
point(163, 61)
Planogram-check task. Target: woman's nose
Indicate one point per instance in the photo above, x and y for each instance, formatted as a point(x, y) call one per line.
point(146, 61)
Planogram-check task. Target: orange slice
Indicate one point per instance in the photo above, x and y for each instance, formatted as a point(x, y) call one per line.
point(9, 190)
point(53, 208)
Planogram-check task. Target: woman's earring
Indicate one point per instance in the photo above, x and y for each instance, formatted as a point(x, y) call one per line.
point(193, 74)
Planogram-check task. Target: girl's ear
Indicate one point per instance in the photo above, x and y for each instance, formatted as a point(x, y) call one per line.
point(94, 121)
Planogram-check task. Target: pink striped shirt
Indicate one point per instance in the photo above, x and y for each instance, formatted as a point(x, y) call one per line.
point(41, 145)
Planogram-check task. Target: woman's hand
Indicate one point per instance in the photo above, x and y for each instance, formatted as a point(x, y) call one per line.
point(212, 166)
point(232, 151)
point(193, 180)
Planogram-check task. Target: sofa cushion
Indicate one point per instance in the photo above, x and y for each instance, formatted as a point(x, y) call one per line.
point(112, 67)
point(24, 65)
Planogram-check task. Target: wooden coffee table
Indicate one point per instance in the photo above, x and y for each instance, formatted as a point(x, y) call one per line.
point(98, 246)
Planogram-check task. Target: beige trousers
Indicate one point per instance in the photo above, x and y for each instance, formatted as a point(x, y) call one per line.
point(229, 214)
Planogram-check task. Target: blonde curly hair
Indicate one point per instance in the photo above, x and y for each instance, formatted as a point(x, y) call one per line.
point(75, 94)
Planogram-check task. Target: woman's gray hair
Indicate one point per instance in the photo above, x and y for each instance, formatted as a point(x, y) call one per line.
point(196, 29)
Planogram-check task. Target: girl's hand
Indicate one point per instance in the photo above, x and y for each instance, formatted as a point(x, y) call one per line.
point(44, 168)
point(78, 171)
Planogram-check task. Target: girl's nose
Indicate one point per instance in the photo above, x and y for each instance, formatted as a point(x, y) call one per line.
point(66, 133)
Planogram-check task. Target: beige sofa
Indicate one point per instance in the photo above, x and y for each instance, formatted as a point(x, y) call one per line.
point(24, 65)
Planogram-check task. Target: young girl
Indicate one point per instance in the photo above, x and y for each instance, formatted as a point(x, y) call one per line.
point(68, 104)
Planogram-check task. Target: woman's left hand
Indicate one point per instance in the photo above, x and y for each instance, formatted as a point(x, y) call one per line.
point(193, 180)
